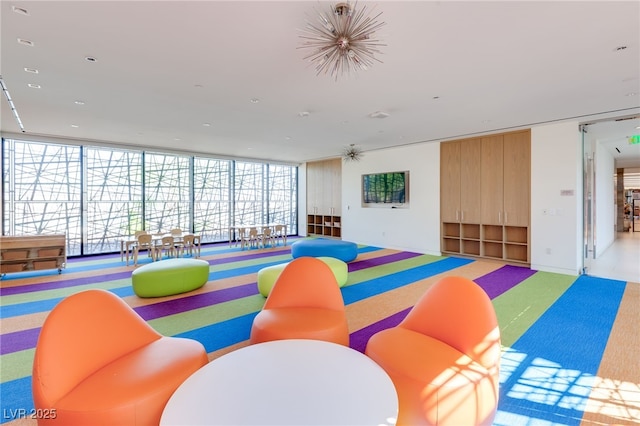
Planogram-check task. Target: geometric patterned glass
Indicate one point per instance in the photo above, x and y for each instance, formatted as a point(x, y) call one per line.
point(97, 195)
point(114, 197)
point(42, 190)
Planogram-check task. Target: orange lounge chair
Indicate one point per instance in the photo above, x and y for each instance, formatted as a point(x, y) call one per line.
point(305, 303)
point(444, 357)
point(98, 362)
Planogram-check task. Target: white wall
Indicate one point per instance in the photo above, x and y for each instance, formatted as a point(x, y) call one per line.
point(416, 228)
point(556, 220)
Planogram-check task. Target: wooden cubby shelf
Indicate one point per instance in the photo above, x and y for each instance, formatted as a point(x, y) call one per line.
point(324, 197)
point(324, 226)
point(32, 253)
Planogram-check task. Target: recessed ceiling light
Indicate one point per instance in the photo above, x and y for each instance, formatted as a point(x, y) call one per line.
point(631, 94)
point(79, 102)
point(25, 42)
point(75, 126)
point(303, 114)
point(32, 70)
point(90, 59)
point(177, 139)
point(379, 114)
point(287, 138)
point(255, 100)
point(206, 124)
point(34, 86)
point(20, 10)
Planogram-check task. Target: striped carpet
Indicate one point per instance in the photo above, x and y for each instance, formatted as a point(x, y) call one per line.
point(571, 343)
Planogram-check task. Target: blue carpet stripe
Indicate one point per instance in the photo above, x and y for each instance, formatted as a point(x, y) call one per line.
point(19, 393)
point(373, 287)
point(225, 333)
point(568, 350)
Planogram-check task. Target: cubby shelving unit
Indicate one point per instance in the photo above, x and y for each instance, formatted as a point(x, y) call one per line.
point(485, 187)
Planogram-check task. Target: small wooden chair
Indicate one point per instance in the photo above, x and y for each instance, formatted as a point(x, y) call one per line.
point(167, 246)
point(249, 238)
point(186, 245)
point(280, 234)
point(197, 242)
point(145, 242)
point(267, 236)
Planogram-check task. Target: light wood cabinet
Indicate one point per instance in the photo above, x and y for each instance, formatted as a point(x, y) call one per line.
point(460, 196)
point(491, 173)
point(517, 178)
point(491, 181)
point(324, 198)
point(32, 252)
point(450, 179)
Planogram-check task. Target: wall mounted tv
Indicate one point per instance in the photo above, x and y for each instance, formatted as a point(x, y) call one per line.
point(389, 189)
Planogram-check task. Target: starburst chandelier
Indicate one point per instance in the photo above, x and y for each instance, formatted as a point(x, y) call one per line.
point(342, 40)
point(351, 153)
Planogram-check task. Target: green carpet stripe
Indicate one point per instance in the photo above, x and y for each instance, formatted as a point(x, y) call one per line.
point(16, 365)
point(196, 318)
point(367, 274)
point(518, 308)
point(61, 292)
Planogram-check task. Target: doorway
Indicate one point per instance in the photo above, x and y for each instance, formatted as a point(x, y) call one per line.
point(610, 249)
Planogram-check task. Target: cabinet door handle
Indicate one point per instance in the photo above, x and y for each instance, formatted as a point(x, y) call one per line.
point(499, 217)
point(505, 218)
point(457, 215)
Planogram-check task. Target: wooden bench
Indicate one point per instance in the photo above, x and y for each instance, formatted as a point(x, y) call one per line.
point(32, 253)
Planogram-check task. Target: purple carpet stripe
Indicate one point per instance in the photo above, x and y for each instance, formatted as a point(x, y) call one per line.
point(503, 279)
point(19, 340)
point(176, 306)
point(52, 285)
point(382, 260)
point(358, 339)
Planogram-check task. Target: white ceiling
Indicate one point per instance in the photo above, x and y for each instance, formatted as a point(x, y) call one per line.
point(449, 69)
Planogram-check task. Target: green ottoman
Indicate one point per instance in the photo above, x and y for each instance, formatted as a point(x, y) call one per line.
point(171, 276)
point(267, 276)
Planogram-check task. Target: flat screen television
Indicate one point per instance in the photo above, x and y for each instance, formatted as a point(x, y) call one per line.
point(385, 189)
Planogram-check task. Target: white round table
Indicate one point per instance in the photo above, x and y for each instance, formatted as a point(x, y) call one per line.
point(286, 382)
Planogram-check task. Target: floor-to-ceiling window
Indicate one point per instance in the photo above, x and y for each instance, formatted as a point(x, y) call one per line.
point(114, 197)
point(212, 198)
point(42, 190)
point(99, 195)
point(167, 192)
point(282, 196)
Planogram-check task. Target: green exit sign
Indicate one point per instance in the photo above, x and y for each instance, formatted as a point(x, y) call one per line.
point(635, 139)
